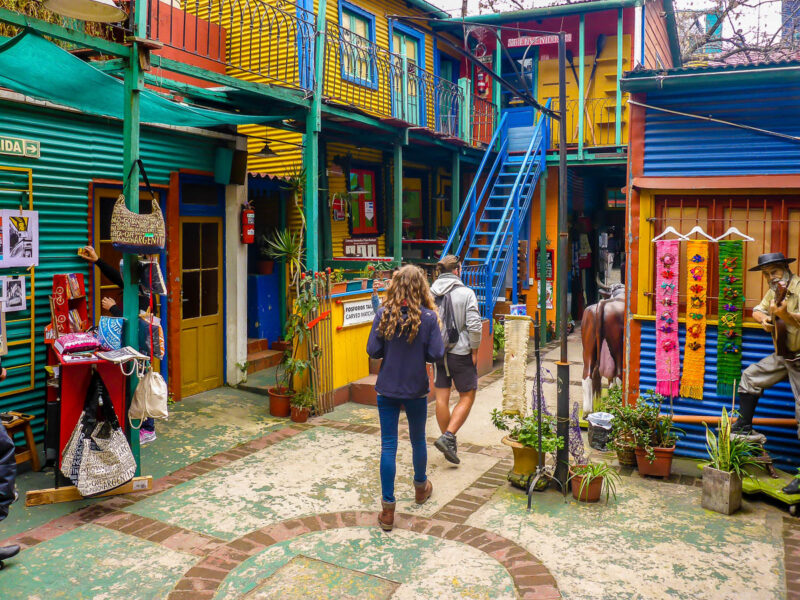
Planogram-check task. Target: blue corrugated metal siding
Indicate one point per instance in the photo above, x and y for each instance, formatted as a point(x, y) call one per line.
point(778, 401)
point(682, 146)
point(75, 150)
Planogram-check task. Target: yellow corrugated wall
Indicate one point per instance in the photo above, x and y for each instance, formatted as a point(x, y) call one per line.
point(350, 360)
point(284, 143)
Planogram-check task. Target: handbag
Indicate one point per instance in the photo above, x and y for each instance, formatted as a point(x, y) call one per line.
point(149, 399)
point(109, 333)
point(97, 457)
point(151, 343)
point(135, 233)
point(151, 279)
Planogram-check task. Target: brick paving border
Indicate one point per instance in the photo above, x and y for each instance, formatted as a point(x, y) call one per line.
point(531, 578)
point(791, 556)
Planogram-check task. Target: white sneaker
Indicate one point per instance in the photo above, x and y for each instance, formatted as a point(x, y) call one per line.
point(145, 437)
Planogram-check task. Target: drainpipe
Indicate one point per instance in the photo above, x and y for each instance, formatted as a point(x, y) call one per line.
point(134, 84)
point(543, 254)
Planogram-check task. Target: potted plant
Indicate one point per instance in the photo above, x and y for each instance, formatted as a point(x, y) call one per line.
point(655, 437)
point(722, 477)
point(523, 438)
point(338, 284)
point(243, 367)
point(266, 263)
point(621, 438)
point(588, 481)
point(498, 339)
point(301, 404)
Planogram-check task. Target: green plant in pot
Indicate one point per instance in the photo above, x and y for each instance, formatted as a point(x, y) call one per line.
point(722, 477)
point(293, 365)
point(590, 480)
point(523, 438)
point(266, 262)
point(655, 436)
point(302, 403)
point(621, 437)
point(498, 339)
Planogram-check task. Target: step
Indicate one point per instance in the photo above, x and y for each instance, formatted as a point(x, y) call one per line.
point(263, 359)
point(363, 391)
point(257, 345)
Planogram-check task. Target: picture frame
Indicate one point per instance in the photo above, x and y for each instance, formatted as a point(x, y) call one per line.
point(3, 335)
point(14, 297)
point(20, 238)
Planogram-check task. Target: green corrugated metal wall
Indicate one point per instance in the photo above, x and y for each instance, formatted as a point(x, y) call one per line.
point(74, 150)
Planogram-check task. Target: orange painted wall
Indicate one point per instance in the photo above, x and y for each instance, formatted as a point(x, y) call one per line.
point(552, 235)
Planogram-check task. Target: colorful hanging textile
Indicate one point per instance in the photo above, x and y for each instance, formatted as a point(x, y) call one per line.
point(729, 330)
point(668, 361)
point(694, 353)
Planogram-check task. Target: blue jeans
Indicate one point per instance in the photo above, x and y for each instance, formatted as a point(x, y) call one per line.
point(389, 415)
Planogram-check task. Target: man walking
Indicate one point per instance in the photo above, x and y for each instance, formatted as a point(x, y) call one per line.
point(461, 322)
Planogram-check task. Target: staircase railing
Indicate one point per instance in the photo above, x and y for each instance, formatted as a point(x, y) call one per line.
point(506, 238)
point(469, 210)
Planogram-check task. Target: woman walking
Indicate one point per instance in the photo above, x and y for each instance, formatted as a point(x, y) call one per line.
point(406, 335)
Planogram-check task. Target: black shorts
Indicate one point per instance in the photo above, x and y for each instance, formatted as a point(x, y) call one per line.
point(463, 373)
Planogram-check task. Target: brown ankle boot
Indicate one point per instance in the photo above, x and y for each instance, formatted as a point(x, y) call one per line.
point(423, 491)
point(386, 516)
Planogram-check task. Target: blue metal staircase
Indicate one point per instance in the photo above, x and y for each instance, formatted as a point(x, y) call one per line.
point(491, 219)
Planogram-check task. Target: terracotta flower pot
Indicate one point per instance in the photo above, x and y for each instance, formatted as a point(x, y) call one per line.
point(279, 402)
point(339, 287)
point(661, 465)
point(526, 459)
point(590, 493)
point(300, 414)
point(265, 267)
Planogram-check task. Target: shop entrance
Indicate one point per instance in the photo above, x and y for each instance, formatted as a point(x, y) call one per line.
point(202, 331)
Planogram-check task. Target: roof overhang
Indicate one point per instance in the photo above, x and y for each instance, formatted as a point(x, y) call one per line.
point(684, 78)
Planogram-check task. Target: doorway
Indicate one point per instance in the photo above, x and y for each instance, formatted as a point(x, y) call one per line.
point(202, 327)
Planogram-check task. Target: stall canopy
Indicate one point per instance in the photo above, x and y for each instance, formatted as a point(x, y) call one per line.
point(31, 65)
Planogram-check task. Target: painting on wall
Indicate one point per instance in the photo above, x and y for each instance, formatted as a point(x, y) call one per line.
point(20, 238)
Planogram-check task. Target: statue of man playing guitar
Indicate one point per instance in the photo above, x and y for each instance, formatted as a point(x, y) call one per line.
point(779, 314)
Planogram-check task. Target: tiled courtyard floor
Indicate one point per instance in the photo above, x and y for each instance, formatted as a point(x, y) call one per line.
point(249, 506)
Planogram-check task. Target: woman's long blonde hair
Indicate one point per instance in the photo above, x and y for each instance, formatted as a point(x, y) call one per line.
point(408, 288)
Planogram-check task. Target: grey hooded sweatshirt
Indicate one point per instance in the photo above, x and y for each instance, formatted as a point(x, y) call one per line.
point(465, 312)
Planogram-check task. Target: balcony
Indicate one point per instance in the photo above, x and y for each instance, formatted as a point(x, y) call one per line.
point(361, 75)
point(599, 124)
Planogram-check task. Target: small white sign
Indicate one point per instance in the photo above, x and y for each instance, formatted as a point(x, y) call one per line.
point(369, 210)
point(357, 312)
point(139, 485)
point(536, 40)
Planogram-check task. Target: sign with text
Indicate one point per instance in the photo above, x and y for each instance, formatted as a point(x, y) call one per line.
point(549, 276)
point(361, 247)
point(357, 312)
point(536, 40)
point(19, 147)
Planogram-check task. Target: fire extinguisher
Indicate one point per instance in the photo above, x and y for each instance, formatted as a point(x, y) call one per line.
point(480, 85)
point(248, 225)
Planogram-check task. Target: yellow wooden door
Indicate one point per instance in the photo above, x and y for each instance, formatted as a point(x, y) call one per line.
point(202, 333)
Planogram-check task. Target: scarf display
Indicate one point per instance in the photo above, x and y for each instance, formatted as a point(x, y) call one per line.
point(694, 353)
point(731, 304)
point(668, 361)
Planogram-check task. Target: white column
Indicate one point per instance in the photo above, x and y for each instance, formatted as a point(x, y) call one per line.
point(235, 280)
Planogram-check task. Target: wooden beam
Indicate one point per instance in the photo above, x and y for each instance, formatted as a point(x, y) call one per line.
point(70, 493)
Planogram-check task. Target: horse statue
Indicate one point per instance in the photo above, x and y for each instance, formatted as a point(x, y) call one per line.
point(602, 334)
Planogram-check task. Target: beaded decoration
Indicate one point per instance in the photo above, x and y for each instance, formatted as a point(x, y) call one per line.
point(729, 332)
point(694, 354)
point(668, 362)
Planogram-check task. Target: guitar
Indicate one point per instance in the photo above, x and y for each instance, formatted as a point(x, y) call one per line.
point(779, 332)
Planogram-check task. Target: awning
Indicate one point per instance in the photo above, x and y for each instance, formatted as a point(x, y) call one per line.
point(31, 65)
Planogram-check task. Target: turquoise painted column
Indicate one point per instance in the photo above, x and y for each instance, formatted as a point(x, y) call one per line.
point(618, 112)
point(581, 84)
point(455, 195)
point(543, 256)
point(134, 84)
point(496, 93)
point(397, 237)
point(311, 148)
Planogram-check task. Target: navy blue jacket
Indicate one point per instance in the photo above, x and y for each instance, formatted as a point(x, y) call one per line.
point(8, 472)
point(403, 374)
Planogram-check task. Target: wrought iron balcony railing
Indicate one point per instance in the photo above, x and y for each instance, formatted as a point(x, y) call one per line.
point(255, 40)
point(599, 123)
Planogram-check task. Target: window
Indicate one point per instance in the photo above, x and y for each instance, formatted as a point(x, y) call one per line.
point(408, 47)
point(715, 46)
point(773, 222)
point(363, 207)
point(358, 40)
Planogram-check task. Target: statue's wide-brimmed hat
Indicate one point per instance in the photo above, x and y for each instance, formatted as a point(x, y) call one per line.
point(771, 258)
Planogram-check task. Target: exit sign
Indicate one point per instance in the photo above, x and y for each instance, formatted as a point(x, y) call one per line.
point(19, 147)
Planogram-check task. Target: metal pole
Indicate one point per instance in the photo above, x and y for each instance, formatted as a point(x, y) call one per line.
point(134, 84)
point(455, 194)
point(398, 202)
point(562, 412)
point(543, 255)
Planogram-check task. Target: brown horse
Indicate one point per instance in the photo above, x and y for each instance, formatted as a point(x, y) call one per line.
point(602, 333)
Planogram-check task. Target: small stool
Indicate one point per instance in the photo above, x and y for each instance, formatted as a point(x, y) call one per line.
point(22, 424)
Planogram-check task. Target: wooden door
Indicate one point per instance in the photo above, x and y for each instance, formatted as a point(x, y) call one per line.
point(202, 327)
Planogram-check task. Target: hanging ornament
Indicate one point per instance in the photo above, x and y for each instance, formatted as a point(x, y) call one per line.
point(694, 354)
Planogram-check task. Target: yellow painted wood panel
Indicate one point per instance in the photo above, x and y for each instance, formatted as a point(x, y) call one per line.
point(350, 360)
point(600, 95)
